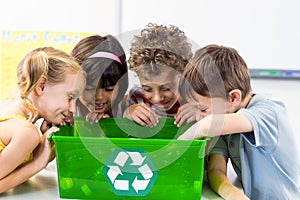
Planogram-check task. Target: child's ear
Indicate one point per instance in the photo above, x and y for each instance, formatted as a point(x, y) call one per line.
point(235, 96)
point(39, 89)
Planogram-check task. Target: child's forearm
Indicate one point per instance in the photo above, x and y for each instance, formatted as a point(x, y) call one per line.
point(19, 175)
point(219, 182)
point(196, 131)
point(230, 192)
point(217, 125)
point(217, 178)
point(43, 153)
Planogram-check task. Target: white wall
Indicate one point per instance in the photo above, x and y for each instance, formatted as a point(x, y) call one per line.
point(60, 15)
point(265, 32)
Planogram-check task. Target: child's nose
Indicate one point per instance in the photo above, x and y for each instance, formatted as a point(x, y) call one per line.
point(157, 97)
point(72, 107)
point(99, 94)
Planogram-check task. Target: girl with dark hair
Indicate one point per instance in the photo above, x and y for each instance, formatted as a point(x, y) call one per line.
point(104, 61)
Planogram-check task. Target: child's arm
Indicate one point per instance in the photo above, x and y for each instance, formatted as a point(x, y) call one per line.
point(141, 114)
point(218, 181)
point(218, 124)
point(25, 138)
point(42, 154)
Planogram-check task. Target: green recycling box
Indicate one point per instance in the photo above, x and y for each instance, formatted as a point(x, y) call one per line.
point(118, 159)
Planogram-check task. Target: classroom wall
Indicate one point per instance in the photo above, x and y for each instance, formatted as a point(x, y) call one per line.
point(264, 32)
point(25, 25)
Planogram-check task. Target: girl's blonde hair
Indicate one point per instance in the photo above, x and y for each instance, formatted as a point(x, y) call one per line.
point(52, 63)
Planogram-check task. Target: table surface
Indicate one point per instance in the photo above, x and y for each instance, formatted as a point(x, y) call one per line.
point(44, 186)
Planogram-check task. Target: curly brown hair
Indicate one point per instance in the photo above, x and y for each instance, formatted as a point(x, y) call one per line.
point(158, 46)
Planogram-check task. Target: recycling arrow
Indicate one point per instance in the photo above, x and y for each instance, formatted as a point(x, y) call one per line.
point(113, 172)
point(121, 158)
point(140, 184)
point(136, 157)
point(146, 171)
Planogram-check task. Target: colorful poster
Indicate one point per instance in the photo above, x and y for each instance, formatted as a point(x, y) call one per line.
point(14, 45)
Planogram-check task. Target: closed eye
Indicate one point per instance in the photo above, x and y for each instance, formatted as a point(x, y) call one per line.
point(202, 109)
point(71, 97)
point(109, 89)
point(147, 89)
point(165, 89)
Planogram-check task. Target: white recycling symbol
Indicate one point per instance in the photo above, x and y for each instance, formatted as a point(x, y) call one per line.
point(122, 165)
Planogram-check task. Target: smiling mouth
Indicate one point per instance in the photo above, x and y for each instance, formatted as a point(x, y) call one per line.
point(68, 116)
point(161, 106)
point(64, 116)
point(99, 106)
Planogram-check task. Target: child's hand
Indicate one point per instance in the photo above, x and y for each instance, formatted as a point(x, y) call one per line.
point(44, 152)
point(68, 119)
point(142, 114)
point(45, 126)
point(191, 133)
point(186, 113)
point(200, 129)
point(94, 117)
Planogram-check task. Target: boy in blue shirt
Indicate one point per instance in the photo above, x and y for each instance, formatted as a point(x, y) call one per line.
point(254, 131)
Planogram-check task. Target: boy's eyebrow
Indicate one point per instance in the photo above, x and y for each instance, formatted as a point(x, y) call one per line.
point(168, 84)
point(194, 102)
point(202, 106)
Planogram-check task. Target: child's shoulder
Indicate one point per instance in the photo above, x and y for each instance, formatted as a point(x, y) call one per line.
point(21, 128)
point(261, 100)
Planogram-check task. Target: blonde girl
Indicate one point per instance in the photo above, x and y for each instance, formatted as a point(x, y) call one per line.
point(49, 81)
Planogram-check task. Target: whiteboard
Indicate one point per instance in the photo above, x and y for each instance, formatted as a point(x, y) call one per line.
point(265, 33)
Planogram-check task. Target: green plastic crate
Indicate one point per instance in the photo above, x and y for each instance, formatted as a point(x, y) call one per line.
point(118, 159)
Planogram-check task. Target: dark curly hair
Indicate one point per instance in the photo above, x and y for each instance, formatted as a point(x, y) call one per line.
point(158, 47)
